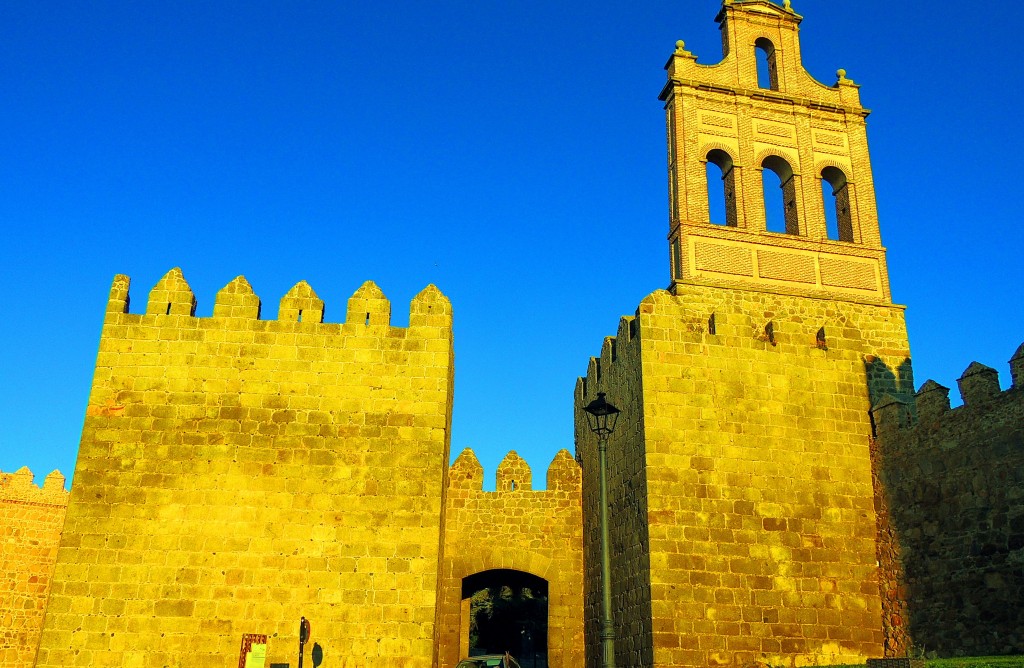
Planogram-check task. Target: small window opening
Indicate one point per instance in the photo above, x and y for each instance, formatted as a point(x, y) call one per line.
point(711, 324)
point(367, 319)
point(769, 332)
point(819, 339)
point(835, 196)
point(767, 64)
point(513, 485)
point(168, 312)
point(299, 319)
point(779, 203)
point(721, 196)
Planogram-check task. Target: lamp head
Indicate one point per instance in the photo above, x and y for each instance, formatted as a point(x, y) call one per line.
point(601, 416)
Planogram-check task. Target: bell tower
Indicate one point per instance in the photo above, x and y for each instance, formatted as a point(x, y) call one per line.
point(740, 474)
point(752, 125)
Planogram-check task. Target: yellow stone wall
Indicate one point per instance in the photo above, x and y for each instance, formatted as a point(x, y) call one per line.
point(237, 473)
point(743, 525)
point(741, 491)
point(515, 527)
point(31, 519)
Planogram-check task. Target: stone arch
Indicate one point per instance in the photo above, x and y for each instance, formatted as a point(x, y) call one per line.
point(844, 166)
point(511, 615)
point(510, 560)
point(709, 146)
point(790, 155)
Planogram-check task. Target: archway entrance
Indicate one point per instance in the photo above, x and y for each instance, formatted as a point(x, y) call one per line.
point(506, 611)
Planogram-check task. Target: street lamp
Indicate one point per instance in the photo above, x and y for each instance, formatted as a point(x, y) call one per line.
point(601, 418)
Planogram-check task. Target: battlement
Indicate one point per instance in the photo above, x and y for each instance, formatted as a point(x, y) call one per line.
point(514, 474)
point(979, 389)
point(20, 487)
point(236, 305)
point(706, 319)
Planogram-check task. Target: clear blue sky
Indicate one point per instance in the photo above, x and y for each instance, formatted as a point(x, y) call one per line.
point(511, 153)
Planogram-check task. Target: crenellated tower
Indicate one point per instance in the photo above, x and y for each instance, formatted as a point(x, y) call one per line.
point(748, 127)
point(743, 504)
point(238, 472)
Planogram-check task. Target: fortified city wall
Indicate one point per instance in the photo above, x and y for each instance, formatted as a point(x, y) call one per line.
point(954, 482)
point(235, 473)
point(741, 497)
point(515, 527)
point(31, 519)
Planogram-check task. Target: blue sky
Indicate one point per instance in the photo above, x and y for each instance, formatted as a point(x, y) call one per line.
point(511, 153)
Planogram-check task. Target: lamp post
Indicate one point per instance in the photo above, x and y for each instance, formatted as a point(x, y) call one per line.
point(601, 418)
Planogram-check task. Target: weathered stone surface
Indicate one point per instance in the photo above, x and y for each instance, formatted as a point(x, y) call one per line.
point(236, 473)
point(742, 503)
point(954, 486)
point(515, 527)
point(31, 518)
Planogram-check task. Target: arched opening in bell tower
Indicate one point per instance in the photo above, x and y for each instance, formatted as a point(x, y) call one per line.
point(505, 610)
point(721, 185)
point(767, 70)
point(779, 188)
point(836, 202)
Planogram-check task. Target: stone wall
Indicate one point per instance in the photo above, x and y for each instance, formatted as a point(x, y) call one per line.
point(515, 527)
point(619, 369)
point(741, 473)
point(236, 473)
point(31, 519)
point(954, 481)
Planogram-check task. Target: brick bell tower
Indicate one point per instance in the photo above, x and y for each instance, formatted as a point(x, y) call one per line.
point(744, 518)
point(807, 138)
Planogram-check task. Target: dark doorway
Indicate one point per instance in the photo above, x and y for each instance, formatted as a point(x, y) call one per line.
point(508, 612)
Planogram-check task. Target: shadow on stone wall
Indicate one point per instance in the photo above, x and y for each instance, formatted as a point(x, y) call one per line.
point(952, 487)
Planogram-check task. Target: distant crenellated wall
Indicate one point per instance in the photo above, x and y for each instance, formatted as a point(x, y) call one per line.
point(31, 519)
point(954, 482)
point(740, 478)
point(517, 528)
point(238, 473)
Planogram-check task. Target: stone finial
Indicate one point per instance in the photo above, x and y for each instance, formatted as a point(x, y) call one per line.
point(301, 304)
point(430, 308)
point(237, 300)
point(932, 400)
point(787, 5)
point(978, 384)
point(118, 300)
point(1017, 367)
point(890, 415)
point(466, 472)
point(514, 474)
point(368, 306)
point(172, 296)
point(565, 473)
